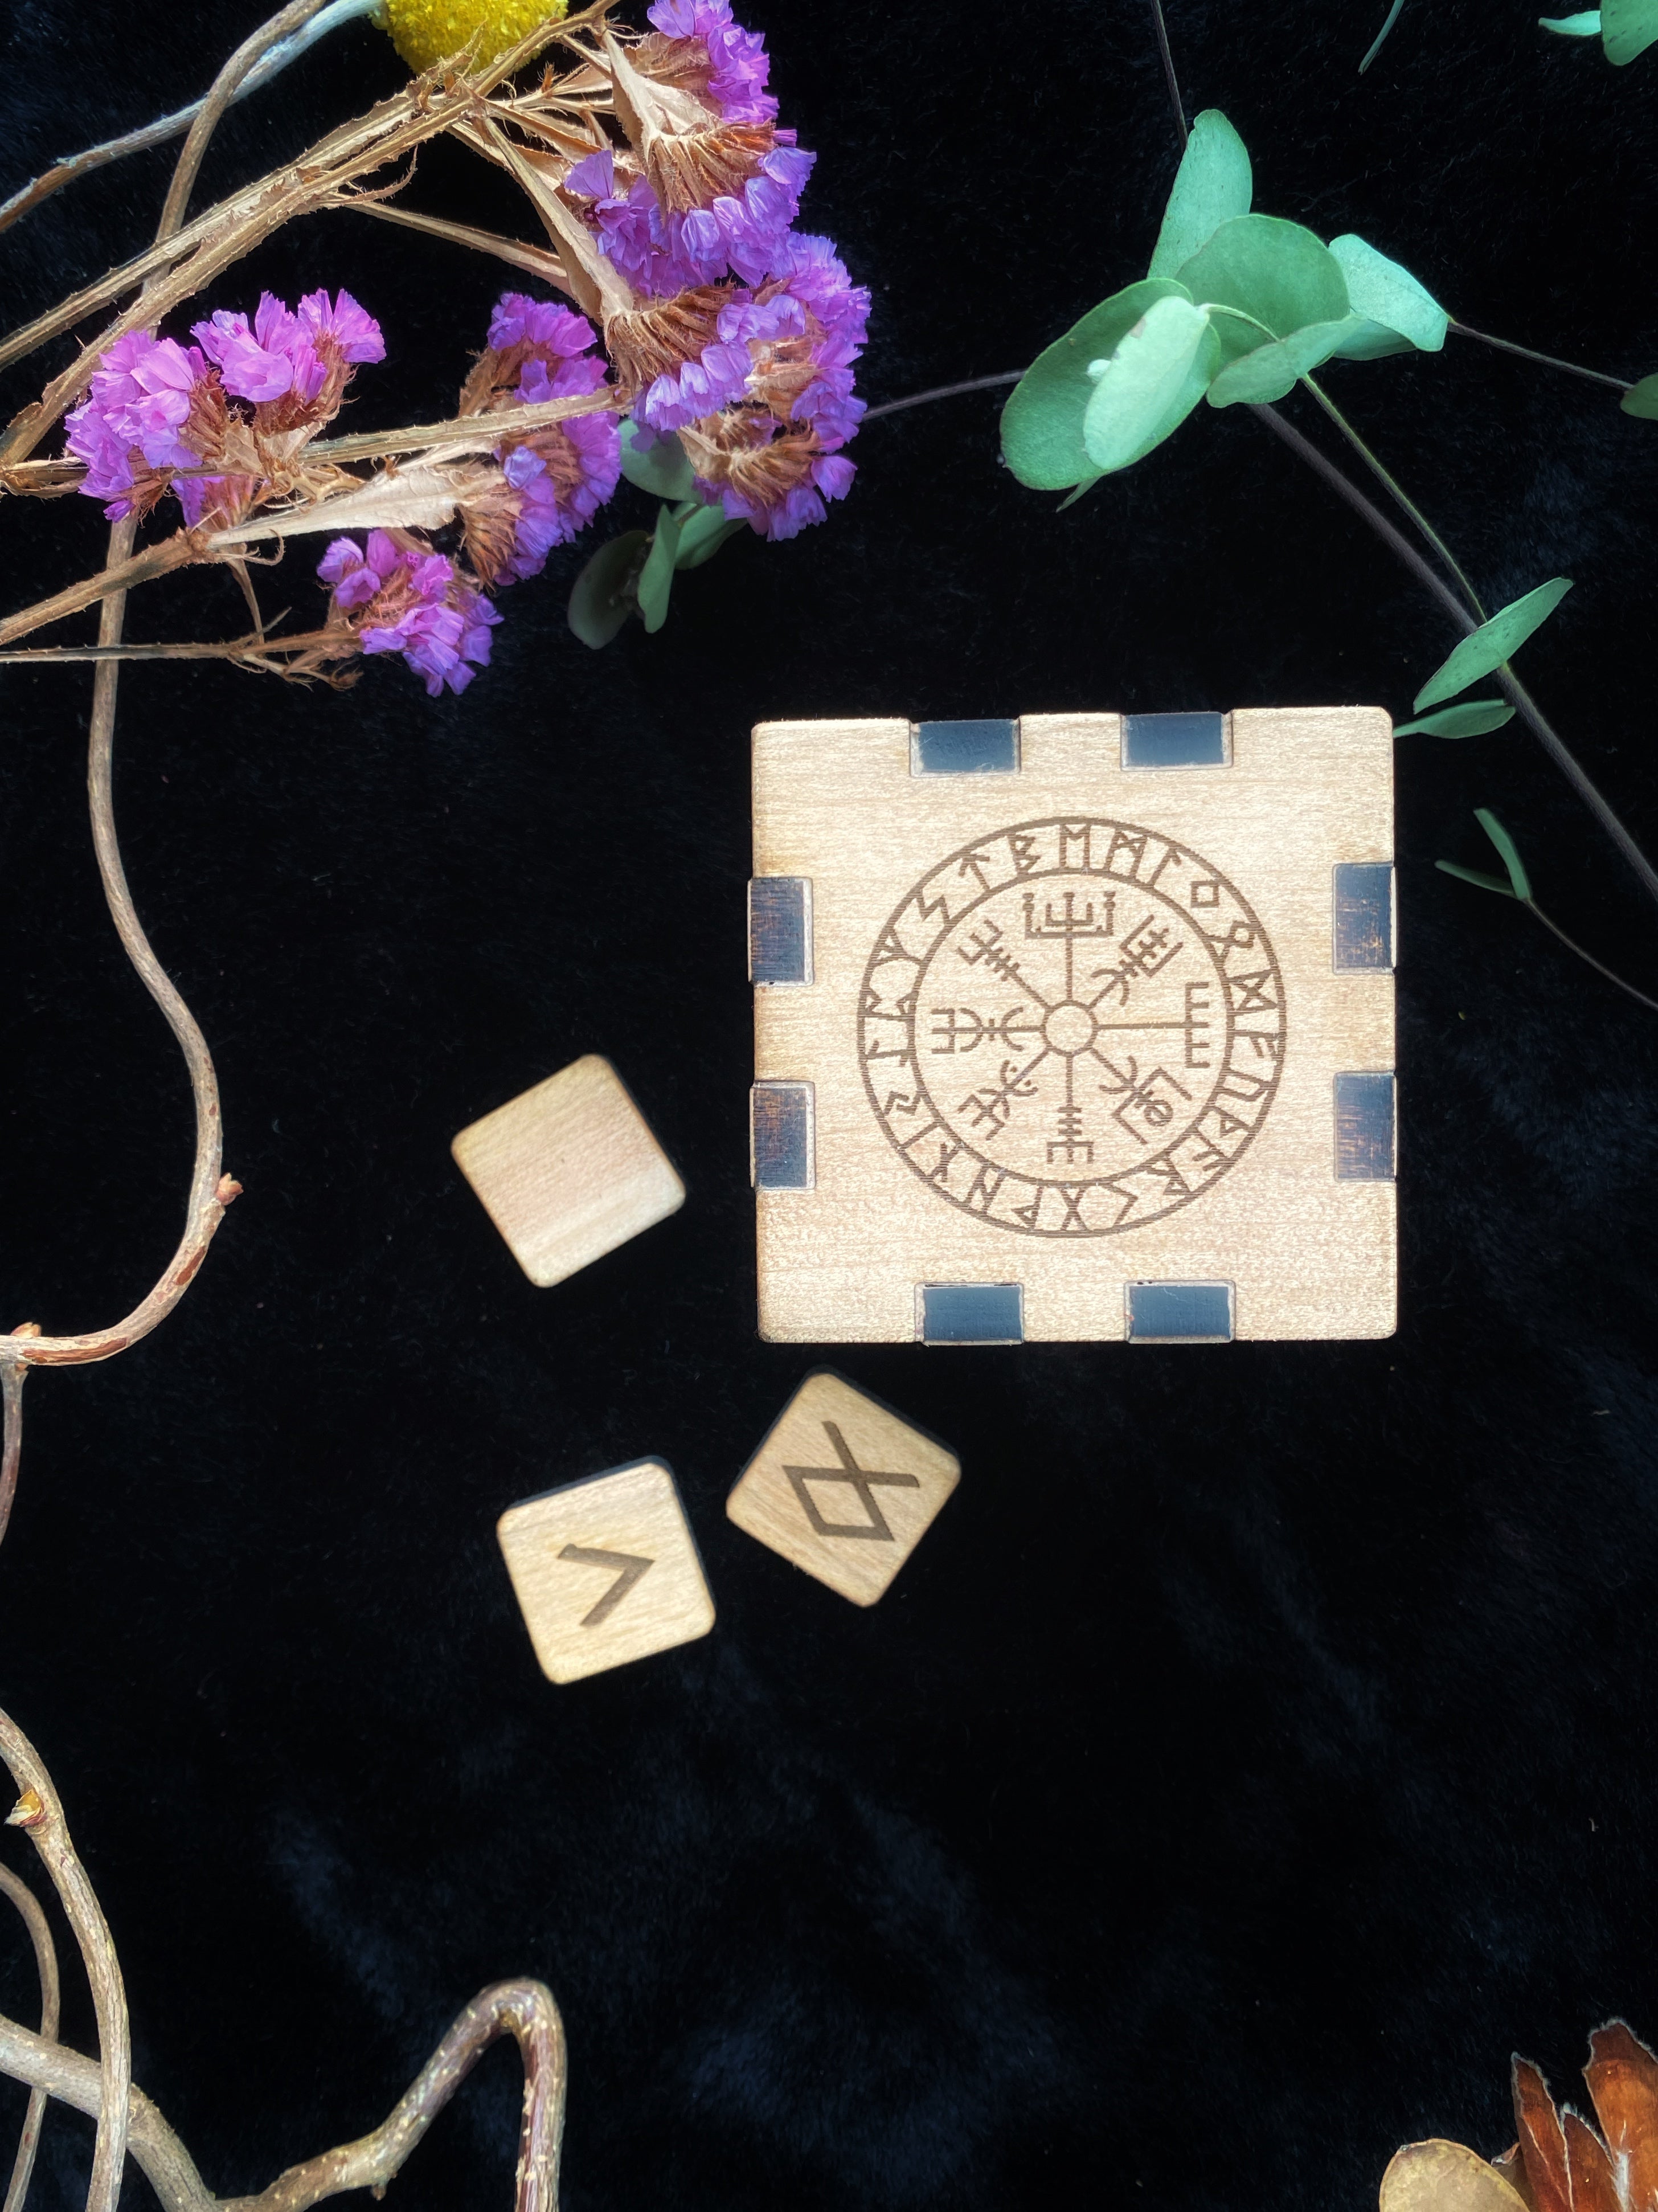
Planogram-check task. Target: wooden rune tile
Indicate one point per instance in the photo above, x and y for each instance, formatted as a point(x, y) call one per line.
point(1087, 1008)
point(605, 1571)
point(843, 1487)
point(568, 1170)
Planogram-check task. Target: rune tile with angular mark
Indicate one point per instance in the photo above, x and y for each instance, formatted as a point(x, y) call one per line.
point(605, 1571)
point(843, 1487)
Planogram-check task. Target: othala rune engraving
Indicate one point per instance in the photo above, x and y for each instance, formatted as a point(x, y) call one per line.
point(1072, 1026)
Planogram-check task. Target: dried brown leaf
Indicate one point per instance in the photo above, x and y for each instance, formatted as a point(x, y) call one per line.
point(1445, 2177)
point(1589, 2167)
point(1512, 2167)
point(1622, 2078)
point(1542, 2144)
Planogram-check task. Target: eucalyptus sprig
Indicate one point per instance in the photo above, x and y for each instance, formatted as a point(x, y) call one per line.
point(1239, 307)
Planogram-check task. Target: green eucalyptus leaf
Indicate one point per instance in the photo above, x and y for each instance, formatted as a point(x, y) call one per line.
point(1150, 385)
point(656, 577)
point(1507, 849)
point(603, 597)
point(1272, 370)
point(1042, 421)
point(1474, 876)
point(1369, 341)
point(1386, 294)
point(1490, 645)
point(1276, 274)
point(1472, 718)
point(661, 468)
point(1573, 26)
point(1212, 184)
point(1078, 491)
point(701, 536)
point(1642, 400)
point(1628, 28)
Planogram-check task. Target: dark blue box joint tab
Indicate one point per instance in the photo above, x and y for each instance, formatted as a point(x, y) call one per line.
point(1174, 740)
point(965, 749)
point(1364, 1128)
point(1180, 1313)
point(780, 929)
point(972, 1313)
point(781, 1124)
point(1363, 914)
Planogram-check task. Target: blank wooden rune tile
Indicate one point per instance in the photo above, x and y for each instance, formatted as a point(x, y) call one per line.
point(605, 1571)
point(1073, 1027)
point(568, 1170)
point(843, 1487)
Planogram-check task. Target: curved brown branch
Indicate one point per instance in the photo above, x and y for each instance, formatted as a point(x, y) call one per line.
point(224, 88)
point(38, 1814)
point(46, 1961)
point(524, 2010)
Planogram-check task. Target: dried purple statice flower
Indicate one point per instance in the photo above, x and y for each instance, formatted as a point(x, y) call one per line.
point(398, 596)
point(304, 359)
point(146, 396)
point(553, 480)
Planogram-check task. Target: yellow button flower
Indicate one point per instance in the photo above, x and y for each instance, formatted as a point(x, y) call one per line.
point(428, 31)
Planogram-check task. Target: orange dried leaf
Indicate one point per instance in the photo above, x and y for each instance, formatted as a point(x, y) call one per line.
point(1622, 2078)
point(1512, 2167)
point(1589, 2164)
point(1445, 2177)
point(1542, 2144)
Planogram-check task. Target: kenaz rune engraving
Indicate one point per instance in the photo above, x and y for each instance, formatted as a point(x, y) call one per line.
point(1071, 1026)
point(875, 1527)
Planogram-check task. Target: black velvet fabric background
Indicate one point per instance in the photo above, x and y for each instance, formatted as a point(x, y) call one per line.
point(1262, 1744)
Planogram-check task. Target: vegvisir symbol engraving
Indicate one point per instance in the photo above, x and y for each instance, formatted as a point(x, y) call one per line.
point(874, 1528)
point(1089, 1025)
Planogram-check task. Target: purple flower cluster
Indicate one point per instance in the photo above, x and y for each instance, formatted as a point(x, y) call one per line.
point(408, 599)
point(775, 369)
point(289, 354)
point(561, 475)
point(154, 404)
point(134, 416)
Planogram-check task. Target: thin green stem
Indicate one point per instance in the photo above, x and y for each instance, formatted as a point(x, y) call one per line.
point(1547, 360)
point(1599, 966)
point(941, 391)
point(1170, 78)
point(1380, 38)
point(1396, 493)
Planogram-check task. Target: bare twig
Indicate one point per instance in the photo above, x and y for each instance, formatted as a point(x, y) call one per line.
point(48, 2066)
point(46, 1961)
point(534, 258)
point(225, 87)
point(174, 125)
point(39, 1814)
point(223, 233)
point(524, 2010)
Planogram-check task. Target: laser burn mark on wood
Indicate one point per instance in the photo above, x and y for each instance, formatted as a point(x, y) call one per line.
point(862, 1479)
point(630, 1569)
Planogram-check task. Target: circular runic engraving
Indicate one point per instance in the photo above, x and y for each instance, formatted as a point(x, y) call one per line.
point(1071, 1027)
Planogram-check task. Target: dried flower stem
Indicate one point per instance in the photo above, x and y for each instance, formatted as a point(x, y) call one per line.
point(203, 249)
point(40, 1815)
point(174, 125)
point(46, 1961)
point(534, 258)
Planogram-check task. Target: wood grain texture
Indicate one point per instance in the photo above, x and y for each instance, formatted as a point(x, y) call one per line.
point(568, 1170)
point(1201, 1142)
point(605, 1571)
point(843, 1487)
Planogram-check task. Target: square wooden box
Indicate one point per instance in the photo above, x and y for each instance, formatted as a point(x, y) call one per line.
point(1075, 1027)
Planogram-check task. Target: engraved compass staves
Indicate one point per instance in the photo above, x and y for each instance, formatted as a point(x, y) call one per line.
point(1115, 1006)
